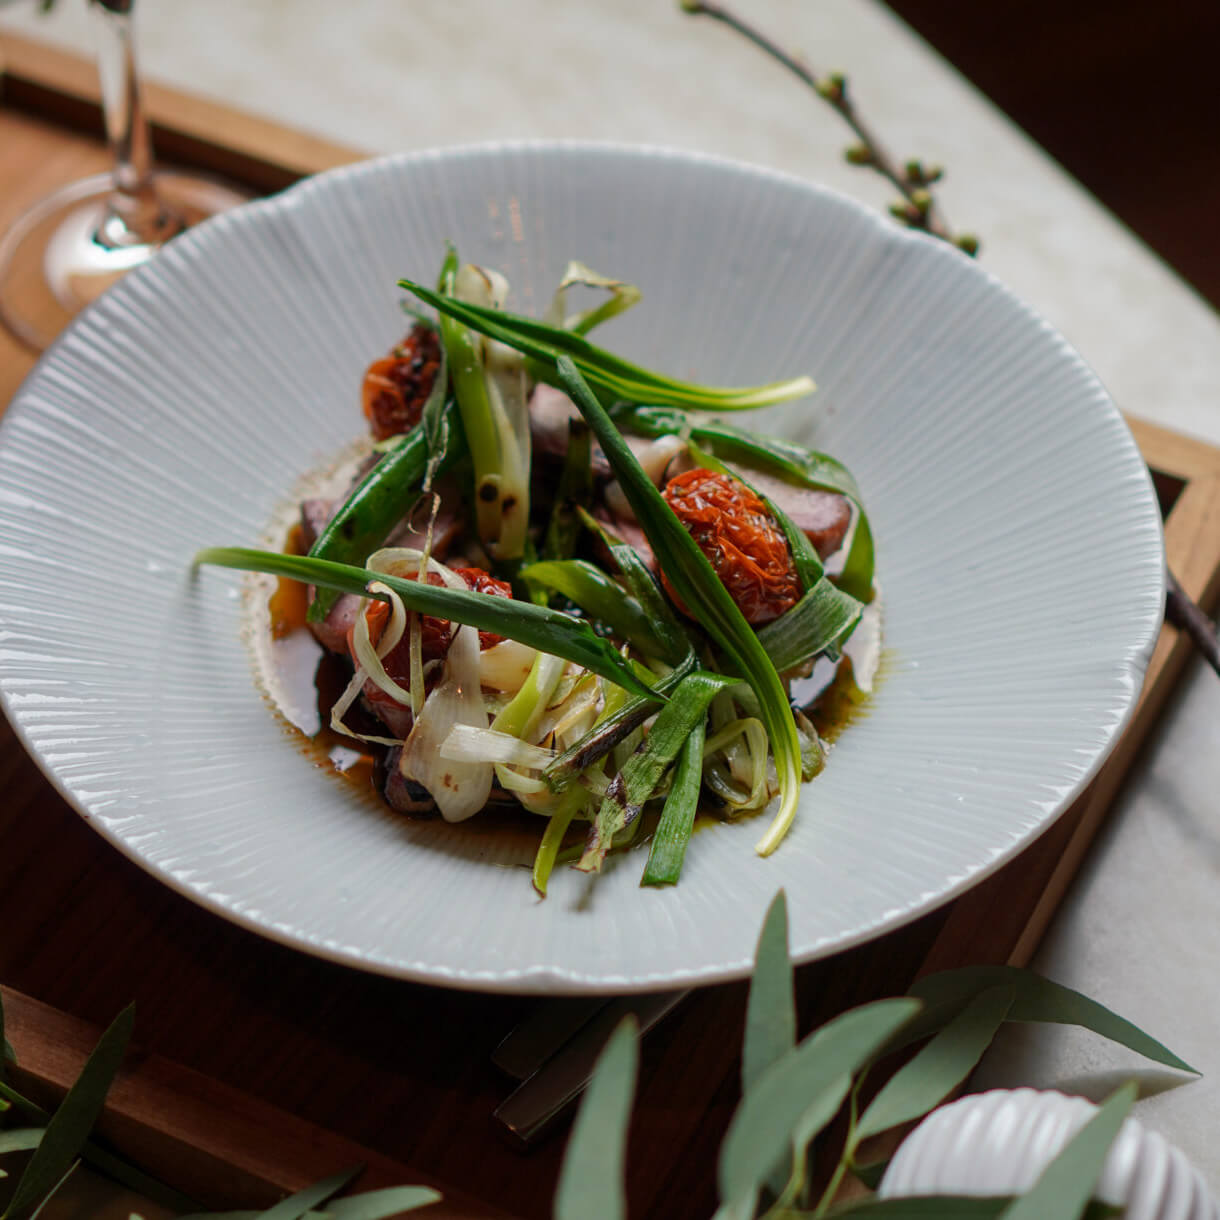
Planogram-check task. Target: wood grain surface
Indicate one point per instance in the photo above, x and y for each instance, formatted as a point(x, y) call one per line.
point(399, 1068)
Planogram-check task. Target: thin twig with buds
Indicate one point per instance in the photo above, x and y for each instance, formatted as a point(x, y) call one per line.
point(917, 208)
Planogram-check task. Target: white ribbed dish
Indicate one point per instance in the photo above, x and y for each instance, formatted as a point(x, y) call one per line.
point(998, 1143)
point(1018, 537)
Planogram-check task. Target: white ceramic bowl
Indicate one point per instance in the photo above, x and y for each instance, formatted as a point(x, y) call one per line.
point(1019, 547)
point(999, 1143)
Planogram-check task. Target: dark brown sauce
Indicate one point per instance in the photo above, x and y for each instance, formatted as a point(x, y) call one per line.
point(829, 696)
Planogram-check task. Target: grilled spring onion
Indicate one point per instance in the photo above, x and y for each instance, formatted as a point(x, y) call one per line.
point(622, 297)
point(640, 774)
point(673, 832)
point(546, 630)
point(602, 598)
point(696, 582)
point(385, 495)
point(490, 384)
point(618, 378)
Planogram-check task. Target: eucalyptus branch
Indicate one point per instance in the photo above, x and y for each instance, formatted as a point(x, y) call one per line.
point(917, 208)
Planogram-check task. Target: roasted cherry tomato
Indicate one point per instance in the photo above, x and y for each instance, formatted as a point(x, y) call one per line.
point(397, 386)
point(741, 539)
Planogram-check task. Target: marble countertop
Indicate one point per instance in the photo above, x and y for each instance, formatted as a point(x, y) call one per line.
point(1138, 930)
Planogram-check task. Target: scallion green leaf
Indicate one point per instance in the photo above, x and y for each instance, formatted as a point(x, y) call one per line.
point(547, 630)
point(574, 492)
point(667, 852)
point(822, 619)
point(597, 595)
point(635, 782)
point(610, 373)
point(696, 582)
point(383, 497)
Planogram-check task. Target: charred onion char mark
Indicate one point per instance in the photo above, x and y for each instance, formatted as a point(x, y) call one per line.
point(741, 539)
point(397, 386)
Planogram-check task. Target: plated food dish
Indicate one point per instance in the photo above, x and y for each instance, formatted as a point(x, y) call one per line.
point(1018, 543)
point(651, 599)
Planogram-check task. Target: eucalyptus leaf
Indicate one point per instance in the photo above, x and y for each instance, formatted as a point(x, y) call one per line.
point(304, 1201)
point(71, 1123)
point(381, 1204)
point(943, 1207)
point(872, 1173)
point(20, 1139)
point(771, 1008)
point(1036, 999)
point(591, 1179)
point(1064, 1189)
point(547, 630)
point(940, 1066)
point(761, 1132)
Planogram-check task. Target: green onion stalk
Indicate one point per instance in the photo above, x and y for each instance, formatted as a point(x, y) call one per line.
point(490, 385)
point(549, 631)
point(697, 584)
point(546, 345)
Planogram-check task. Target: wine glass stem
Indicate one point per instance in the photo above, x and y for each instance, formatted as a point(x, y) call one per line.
point(135, 213)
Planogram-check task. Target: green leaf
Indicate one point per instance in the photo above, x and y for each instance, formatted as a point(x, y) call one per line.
point(822, 619)
point(669, 635)
point(73, 1120)
point(597, 595)
point(608, 732)
point(591, 1179)
point(1063, 1190)
point(383, 497)
point(672, 835)
point(806, 1080)
point(381, 1204)
point(925, 1207)
point(697, 584)
point(641, 773)
point(21, 1139)
point(771, 1008)
point(872, 1173)
point(575, 491)
point(547, 630)
point(621, 379)
point(940, 1066)
point(1036, 999)
point(946, 1207)
point(304, 1201)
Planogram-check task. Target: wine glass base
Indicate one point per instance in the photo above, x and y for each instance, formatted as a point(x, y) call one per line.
point(53, 262)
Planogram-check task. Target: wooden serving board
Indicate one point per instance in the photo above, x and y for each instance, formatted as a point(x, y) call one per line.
point(317, 1064)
